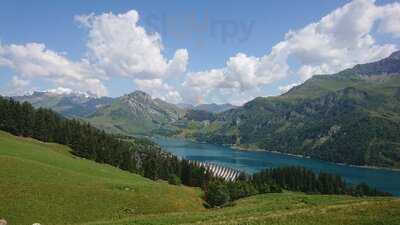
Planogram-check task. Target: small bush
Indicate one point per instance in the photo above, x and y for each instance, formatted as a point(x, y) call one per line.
point(174, 180)
point(217, 194)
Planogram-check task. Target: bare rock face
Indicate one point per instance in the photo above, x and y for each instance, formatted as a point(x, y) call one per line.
point(3, 222)
point(386, 66)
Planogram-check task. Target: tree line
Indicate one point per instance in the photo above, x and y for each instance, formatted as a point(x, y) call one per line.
point(142, 156)
point(137, 155)
point(292, 178)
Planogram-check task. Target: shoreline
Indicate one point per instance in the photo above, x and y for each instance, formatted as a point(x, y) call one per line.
point(241, 148)
point(254, 149)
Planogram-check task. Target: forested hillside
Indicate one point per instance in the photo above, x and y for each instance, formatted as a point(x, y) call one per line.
point(132, 154)
point(146, 158)
point(351, 117)
point(44, 183)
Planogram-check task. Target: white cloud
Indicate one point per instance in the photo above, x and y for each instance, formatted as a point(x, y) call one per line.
point(339, 40)
point(34, 61)
point(19, 83)
point(117, 44)
point(390, 19)
point(240, 79)
point(177, 65)
point(17, 86)
point(286, 88)
point(242, 72)
point(156, 88)
point(61, 91)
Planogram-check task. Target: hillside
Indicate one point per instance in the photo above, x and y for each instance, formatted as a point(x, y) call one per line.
point(350, 117)
point(136, 113)
point(288, 208)
point(212, 108)
point(44, 183)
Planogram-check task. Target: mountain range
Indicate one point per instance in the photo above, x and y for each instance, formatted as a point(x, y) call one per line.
point(134, 113)
point(67, 104)
point(350, 117)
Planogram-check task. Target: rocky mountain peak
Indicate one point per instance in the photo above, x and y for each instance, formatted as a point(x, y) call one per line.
point(139, 96)
point(386, 66)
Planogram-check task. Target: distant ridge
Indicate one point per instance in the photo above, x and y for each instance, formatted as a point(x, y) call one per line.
point(69, 104)
point(386, 66)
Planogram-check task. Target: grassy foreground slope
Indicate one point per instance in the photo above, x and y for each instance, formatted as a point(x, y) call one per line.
point(285, 209)
point(42, 182)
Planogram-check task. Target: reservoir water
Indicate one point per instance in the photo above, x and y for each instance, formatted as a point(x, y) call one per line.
point(253, 161)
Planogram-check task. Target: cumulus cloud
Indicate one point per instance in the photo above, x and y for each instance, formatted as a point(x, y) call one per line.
point(242, 76)
point(18, 86)
point(35, 61)
point(341, 39)
point(390, 19)
point(117, 44)
point(19, 83)
point(158, 89)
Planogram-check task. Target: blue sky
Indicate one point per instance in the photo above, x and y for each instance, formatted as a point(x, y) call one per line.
point(224, 29)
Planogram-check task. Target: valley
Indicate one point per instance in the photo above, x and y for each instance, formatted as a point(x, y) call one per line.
point(43, 182)
point(255, 161)
point(200, 112)
point(352, 117)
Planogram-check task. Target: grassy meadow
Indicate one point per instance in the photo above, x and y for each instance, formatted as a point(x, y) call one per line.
point(44, 183)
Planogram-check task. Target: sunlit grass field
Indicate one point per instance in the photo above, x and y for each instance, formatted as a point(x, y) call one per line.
point(44, 183)
point(286, 209)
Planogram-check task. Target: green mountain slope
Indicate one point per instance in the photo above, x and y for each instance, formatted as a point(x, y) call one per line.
point(44, 183)
point(136, 113)
point(288, 209)
point(351, 117)
point(211, 108)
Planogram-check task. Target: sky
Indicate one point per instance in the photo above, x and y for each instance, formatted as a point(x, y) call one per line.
point(188, 51)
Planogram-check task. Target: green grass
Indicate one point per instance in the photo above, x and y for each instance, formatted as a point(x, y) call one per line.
point(285, 209)
point(42, 182)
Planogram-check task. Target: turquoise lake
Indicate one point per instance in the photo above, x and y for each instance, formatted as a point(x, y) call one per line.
point(253, 161)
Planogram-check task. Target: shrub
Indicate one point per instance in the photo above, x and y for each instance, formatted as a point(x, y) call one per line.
point(217, 194)
point(174, 179)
